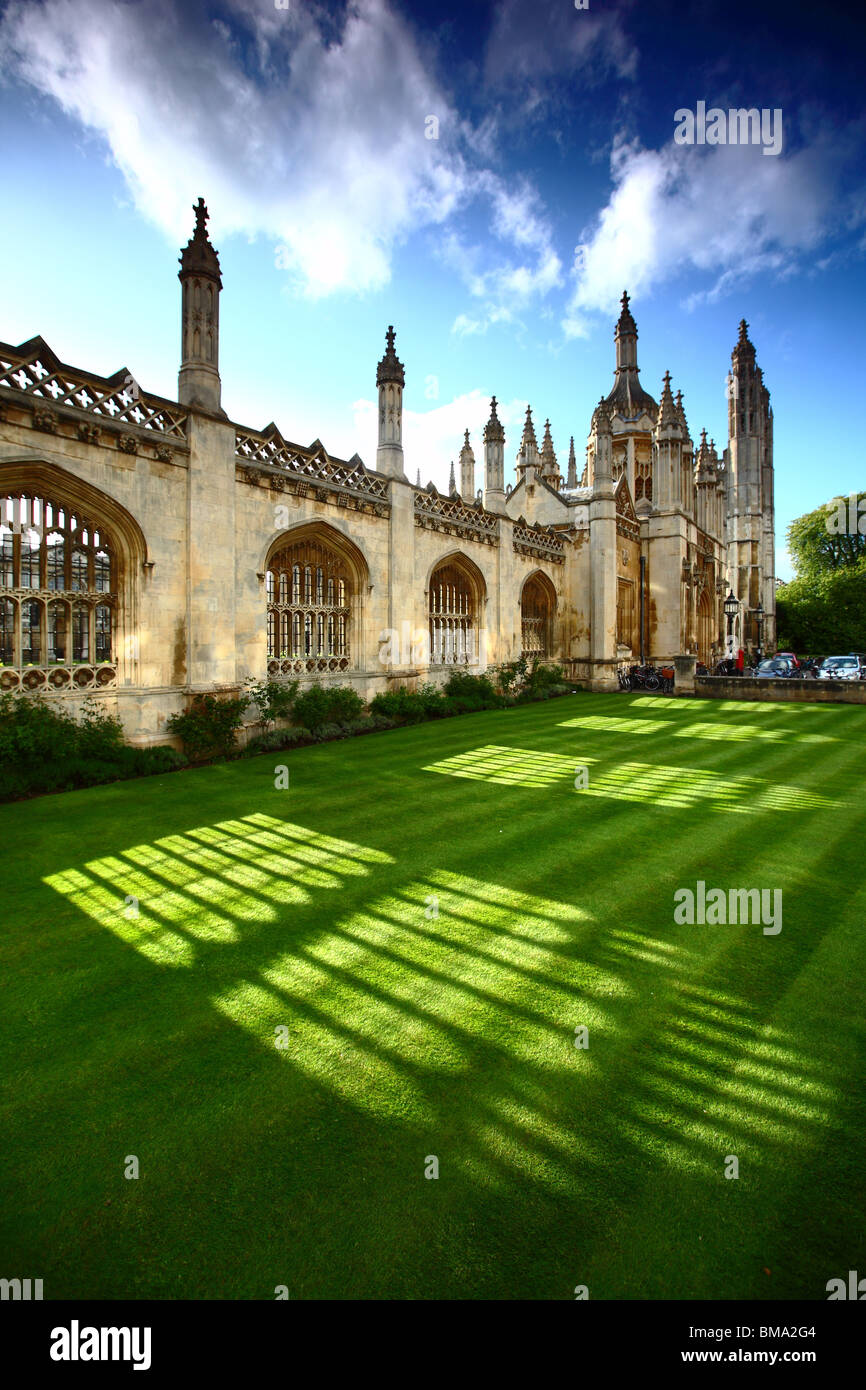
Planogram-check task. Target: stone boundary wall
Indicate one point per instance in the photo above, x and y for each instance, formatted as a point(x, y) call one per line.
point(798, 691)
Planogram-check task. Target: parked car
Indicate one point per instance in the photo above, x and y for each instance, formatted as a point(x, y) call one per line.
point(776, 668)
point(842, 668)
point(791, 656)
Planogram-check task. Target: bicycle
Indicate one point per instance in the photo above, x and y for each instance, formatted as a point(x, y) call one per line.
point(644, 678)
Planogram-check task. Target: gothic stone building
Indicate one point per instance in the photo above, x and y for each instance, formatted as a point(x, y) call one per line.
point(152, 549)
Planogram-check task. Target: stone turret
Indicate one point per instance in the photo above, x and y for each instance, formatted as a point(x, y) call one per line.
point(199, 275)
point(749, 481)
point(571, 480)
point(494, 462)
point(390, 379)
point(467, 470)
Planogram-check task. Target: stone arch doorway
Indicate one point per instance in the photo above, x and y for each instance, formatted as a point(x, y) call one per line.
point(706, 634)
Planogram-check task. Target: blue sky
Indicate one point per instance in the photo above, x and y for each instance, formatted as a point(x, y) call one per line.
point(499, 249)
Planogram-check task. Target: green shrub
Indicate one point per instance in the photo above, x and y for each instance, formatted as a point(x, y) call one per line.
point(540, 677)
point(477, 690)
point(382, 721)
point(44, 749)
point(100, 734)
point(466, 704)
point(324, 732)
point(311, 708)
point(434, 701)
point(209, 727)
point(336, 704)
point(272, 699)
point(344, 704)
point(358, 726)
point(402, 705)
point(32, 730)
point(149, 762)
point(511, 676)
point(275, 740)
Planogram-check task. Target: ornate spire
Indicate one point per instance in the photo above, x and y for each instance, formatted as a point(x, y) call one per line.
point(681, 413)
point(390, 368)
point(548, 454)
point(198, 256)
point(527, 454)
point(452, 482)
point(668, 414)
point(601, 418)
point(467, 469)
point(745, 349)
point(705, 461)
point(572, 465)
point(626, 322)
point(628, 398)
point(198, 382)
point(493, 429)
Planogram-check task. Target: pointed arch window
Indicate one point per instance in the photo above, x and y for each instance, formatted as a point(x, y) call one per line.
point(452, 616)
point(537, 603)
point(58, 597)
point(313, 600)
point(643, 480)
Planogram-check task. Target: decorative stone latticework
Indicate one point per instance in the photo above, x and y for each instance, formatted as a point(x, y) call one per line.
point(282, 464)
point(452, 517)
point(35, 372)
point(536, 541)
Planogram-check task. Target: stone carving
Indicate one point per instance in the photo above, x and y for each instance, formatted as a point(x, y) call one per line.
point(45, 420)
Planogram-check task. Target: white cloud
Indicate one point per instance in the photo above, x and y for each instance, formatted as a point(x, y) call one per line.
point(727, 211)
point(313, 138)
point(505, 288)
point(294, 125)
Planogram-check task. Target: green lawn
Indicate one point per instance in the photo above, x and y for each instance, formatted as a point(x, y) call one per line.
point(410, 1034)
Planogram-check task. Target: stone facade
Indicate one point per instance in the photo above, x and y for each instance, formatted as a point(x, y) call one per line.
point(152, 549)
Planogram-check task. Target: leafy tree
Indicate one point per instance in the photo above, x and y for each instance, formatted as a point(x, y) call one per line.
point(824, 613)
point(831, 537)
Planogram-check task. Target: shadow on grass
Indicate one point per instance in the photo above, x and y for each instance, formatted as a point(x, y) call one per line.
point(433, 1014)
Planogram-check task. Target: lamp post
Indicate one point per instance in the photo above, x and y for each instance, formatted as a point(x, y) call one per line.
point(732, 607)
point(759, 619)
